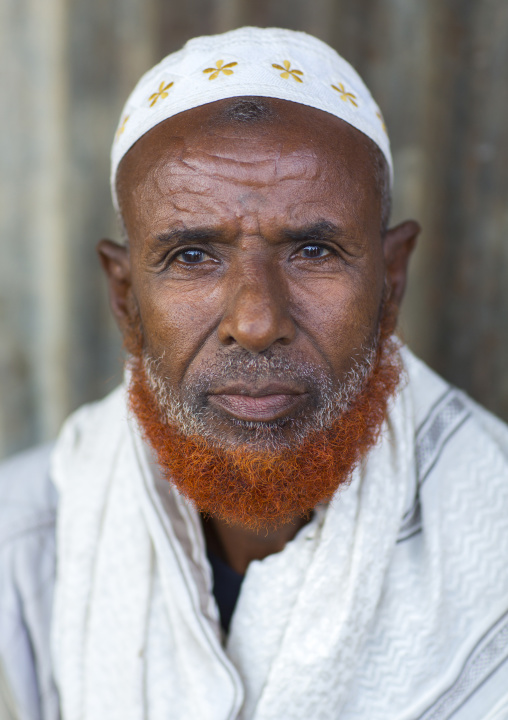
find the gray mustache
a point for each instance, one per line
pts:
(243, 366)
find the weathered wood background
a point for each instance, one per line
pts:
(439, 70)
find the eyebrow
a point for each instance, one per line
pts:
(176, 237)
(316, 232)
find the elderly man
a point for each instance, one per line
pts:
(282, 513)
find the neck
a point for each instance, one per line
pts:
(238, 546)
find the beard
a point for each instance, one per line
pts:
(261, 475)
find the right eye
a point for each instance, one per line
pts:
(192, 256)
(314, 252)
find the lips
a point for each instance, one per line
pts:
(262, 404)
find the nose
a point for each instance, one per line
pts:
(257, 310)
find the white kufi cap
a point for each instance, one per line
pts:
(263, 62)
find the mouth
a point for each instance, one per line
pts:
(262, 404)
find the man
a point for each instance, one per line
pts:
(283, 513)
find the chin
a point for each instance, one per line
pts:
(267, 437)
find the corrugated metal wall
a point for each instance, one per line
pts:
(439, 71)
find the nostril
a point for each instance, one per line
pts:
(228, 340)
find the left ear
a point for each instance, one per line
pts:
(398, 244)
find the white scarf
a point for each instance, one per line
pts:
(345, 622)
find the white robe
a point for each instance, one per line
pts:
(391, 604)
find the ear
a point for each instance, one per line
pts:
(115, 261)
(398, 244)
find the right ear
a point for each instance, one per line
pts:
(115, 261)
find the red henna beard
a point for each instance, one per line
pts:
(266, 489)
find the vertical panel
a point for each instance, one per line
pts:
(319, 19)
(179, 21)
(34, 282)
(48, 231)
(228, 14)
(469, 147)
(15, 360)
(111, 45)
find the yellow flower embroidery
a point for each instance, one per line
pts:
(344, 95)
(287, 72)
(122, 127)
(161, 93)
(382, 121)
(220, 68)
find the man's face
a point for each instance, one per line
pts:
(257, 264)
(251, 299)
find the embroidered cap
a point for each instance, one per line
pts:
(249, 61)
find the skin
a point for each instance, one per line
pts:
(253, 235)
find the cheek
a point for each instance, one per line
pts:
(340, 317)
(177, 324)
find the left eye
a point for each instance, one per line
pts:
(311, 252)
(191, 257)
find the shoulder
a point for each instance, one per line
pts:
(31, 497)
(450, 426)
(28, 503)
(28, 498)
(460, 457)
(452, 547)
(86, 438)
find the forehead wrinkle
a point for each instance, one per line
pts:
(236, 172)
(249, 211)
(238, 168)
(211, 212)
(308, 166)
(302, 212)
(178, 203)
(169, 206)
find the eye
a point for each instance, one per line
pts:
(191, 257)
(314, 252)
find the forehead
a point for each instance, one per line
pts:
(289, 151)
